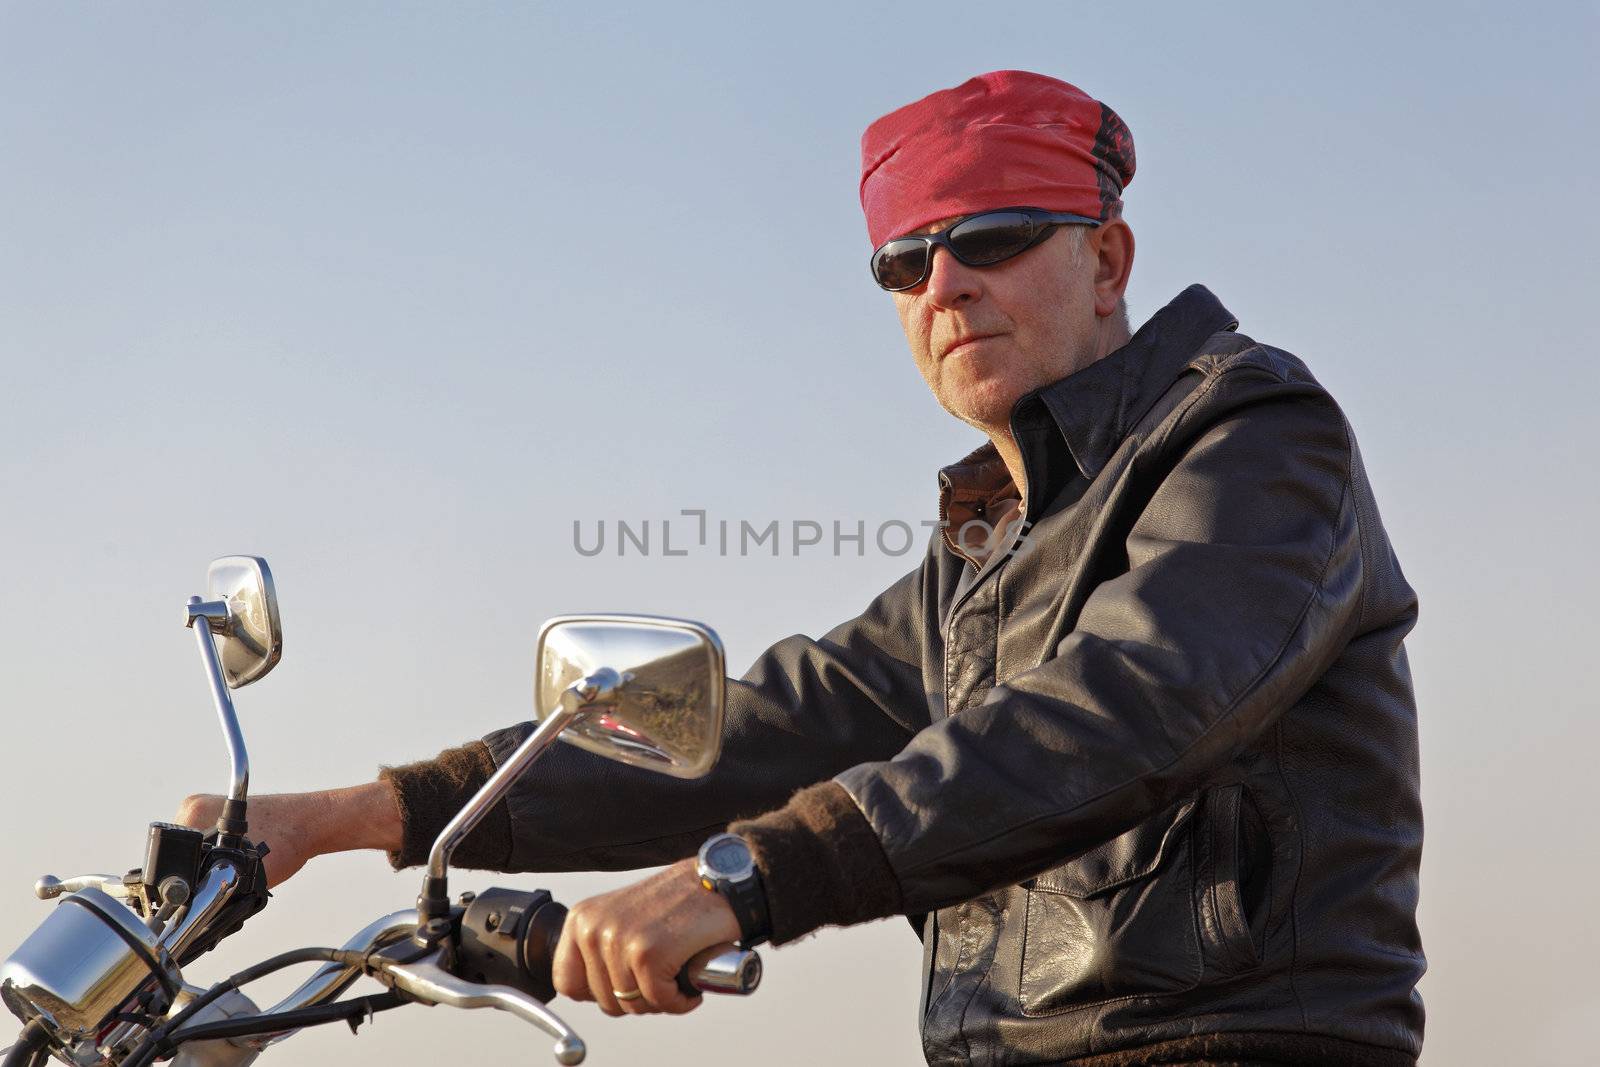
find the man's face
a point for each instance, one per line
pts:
(985, 336)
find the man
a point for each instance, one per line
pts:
(1135, 746)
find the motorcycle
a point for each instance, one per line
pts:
(100, 982)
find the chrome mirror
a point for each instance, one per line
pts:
(241, 638)
(251, 642)
(640, 689)
(666, 713)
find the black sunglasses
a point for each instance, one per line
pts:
(980, 240)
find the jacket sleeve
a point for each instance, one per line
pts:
(1242, 585)
(805, 710)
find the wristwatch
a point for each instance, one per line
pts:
(727, 867)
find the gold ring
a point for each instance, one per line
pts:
(631, 995)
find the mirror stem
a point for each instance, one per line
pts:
(597, 688)
(231, 824)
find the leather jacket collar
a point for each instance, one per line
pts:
(1090, 411)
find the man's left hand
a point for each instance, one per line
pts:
(638, 938)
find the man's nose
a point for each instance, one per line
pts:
(950, 281)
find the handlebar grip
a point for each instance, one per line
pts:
(721, 970)
(510, 937)
(736, 972)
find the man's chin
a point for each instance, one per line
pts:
(986, 406)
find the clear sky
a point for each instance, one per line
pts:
(392, 294)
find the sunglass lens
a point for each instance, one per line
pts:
(993, 237)
(900, 264)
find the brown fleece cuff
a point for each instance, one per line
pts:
(430, 792)
(821, 863)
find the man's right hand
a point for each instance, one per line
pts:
(301, 826)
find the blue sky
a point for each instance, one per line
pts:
(392, 294)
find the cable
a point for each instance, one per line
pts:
(147, 1051)
(345, 1010)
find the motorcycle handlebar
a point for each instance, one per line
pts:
(505, 937)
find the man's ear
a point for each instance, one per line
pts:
(1112, 245)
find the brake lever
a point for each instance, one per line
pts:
(429, 983)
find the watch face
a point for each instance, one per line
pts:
(729, 857)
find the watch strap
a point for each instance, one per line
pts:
(748, 899)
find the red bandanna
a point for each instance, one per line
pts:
(1004, 139)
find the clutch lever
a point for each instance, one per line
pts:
(49, 887)
(429, 983)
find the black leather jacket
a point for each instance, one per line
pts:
(1151, 775)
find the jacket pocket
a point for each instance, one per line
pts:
(1117, 921)
(1235, 867)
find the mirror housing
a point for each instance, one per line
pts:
(666, 713)
(250, 643)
